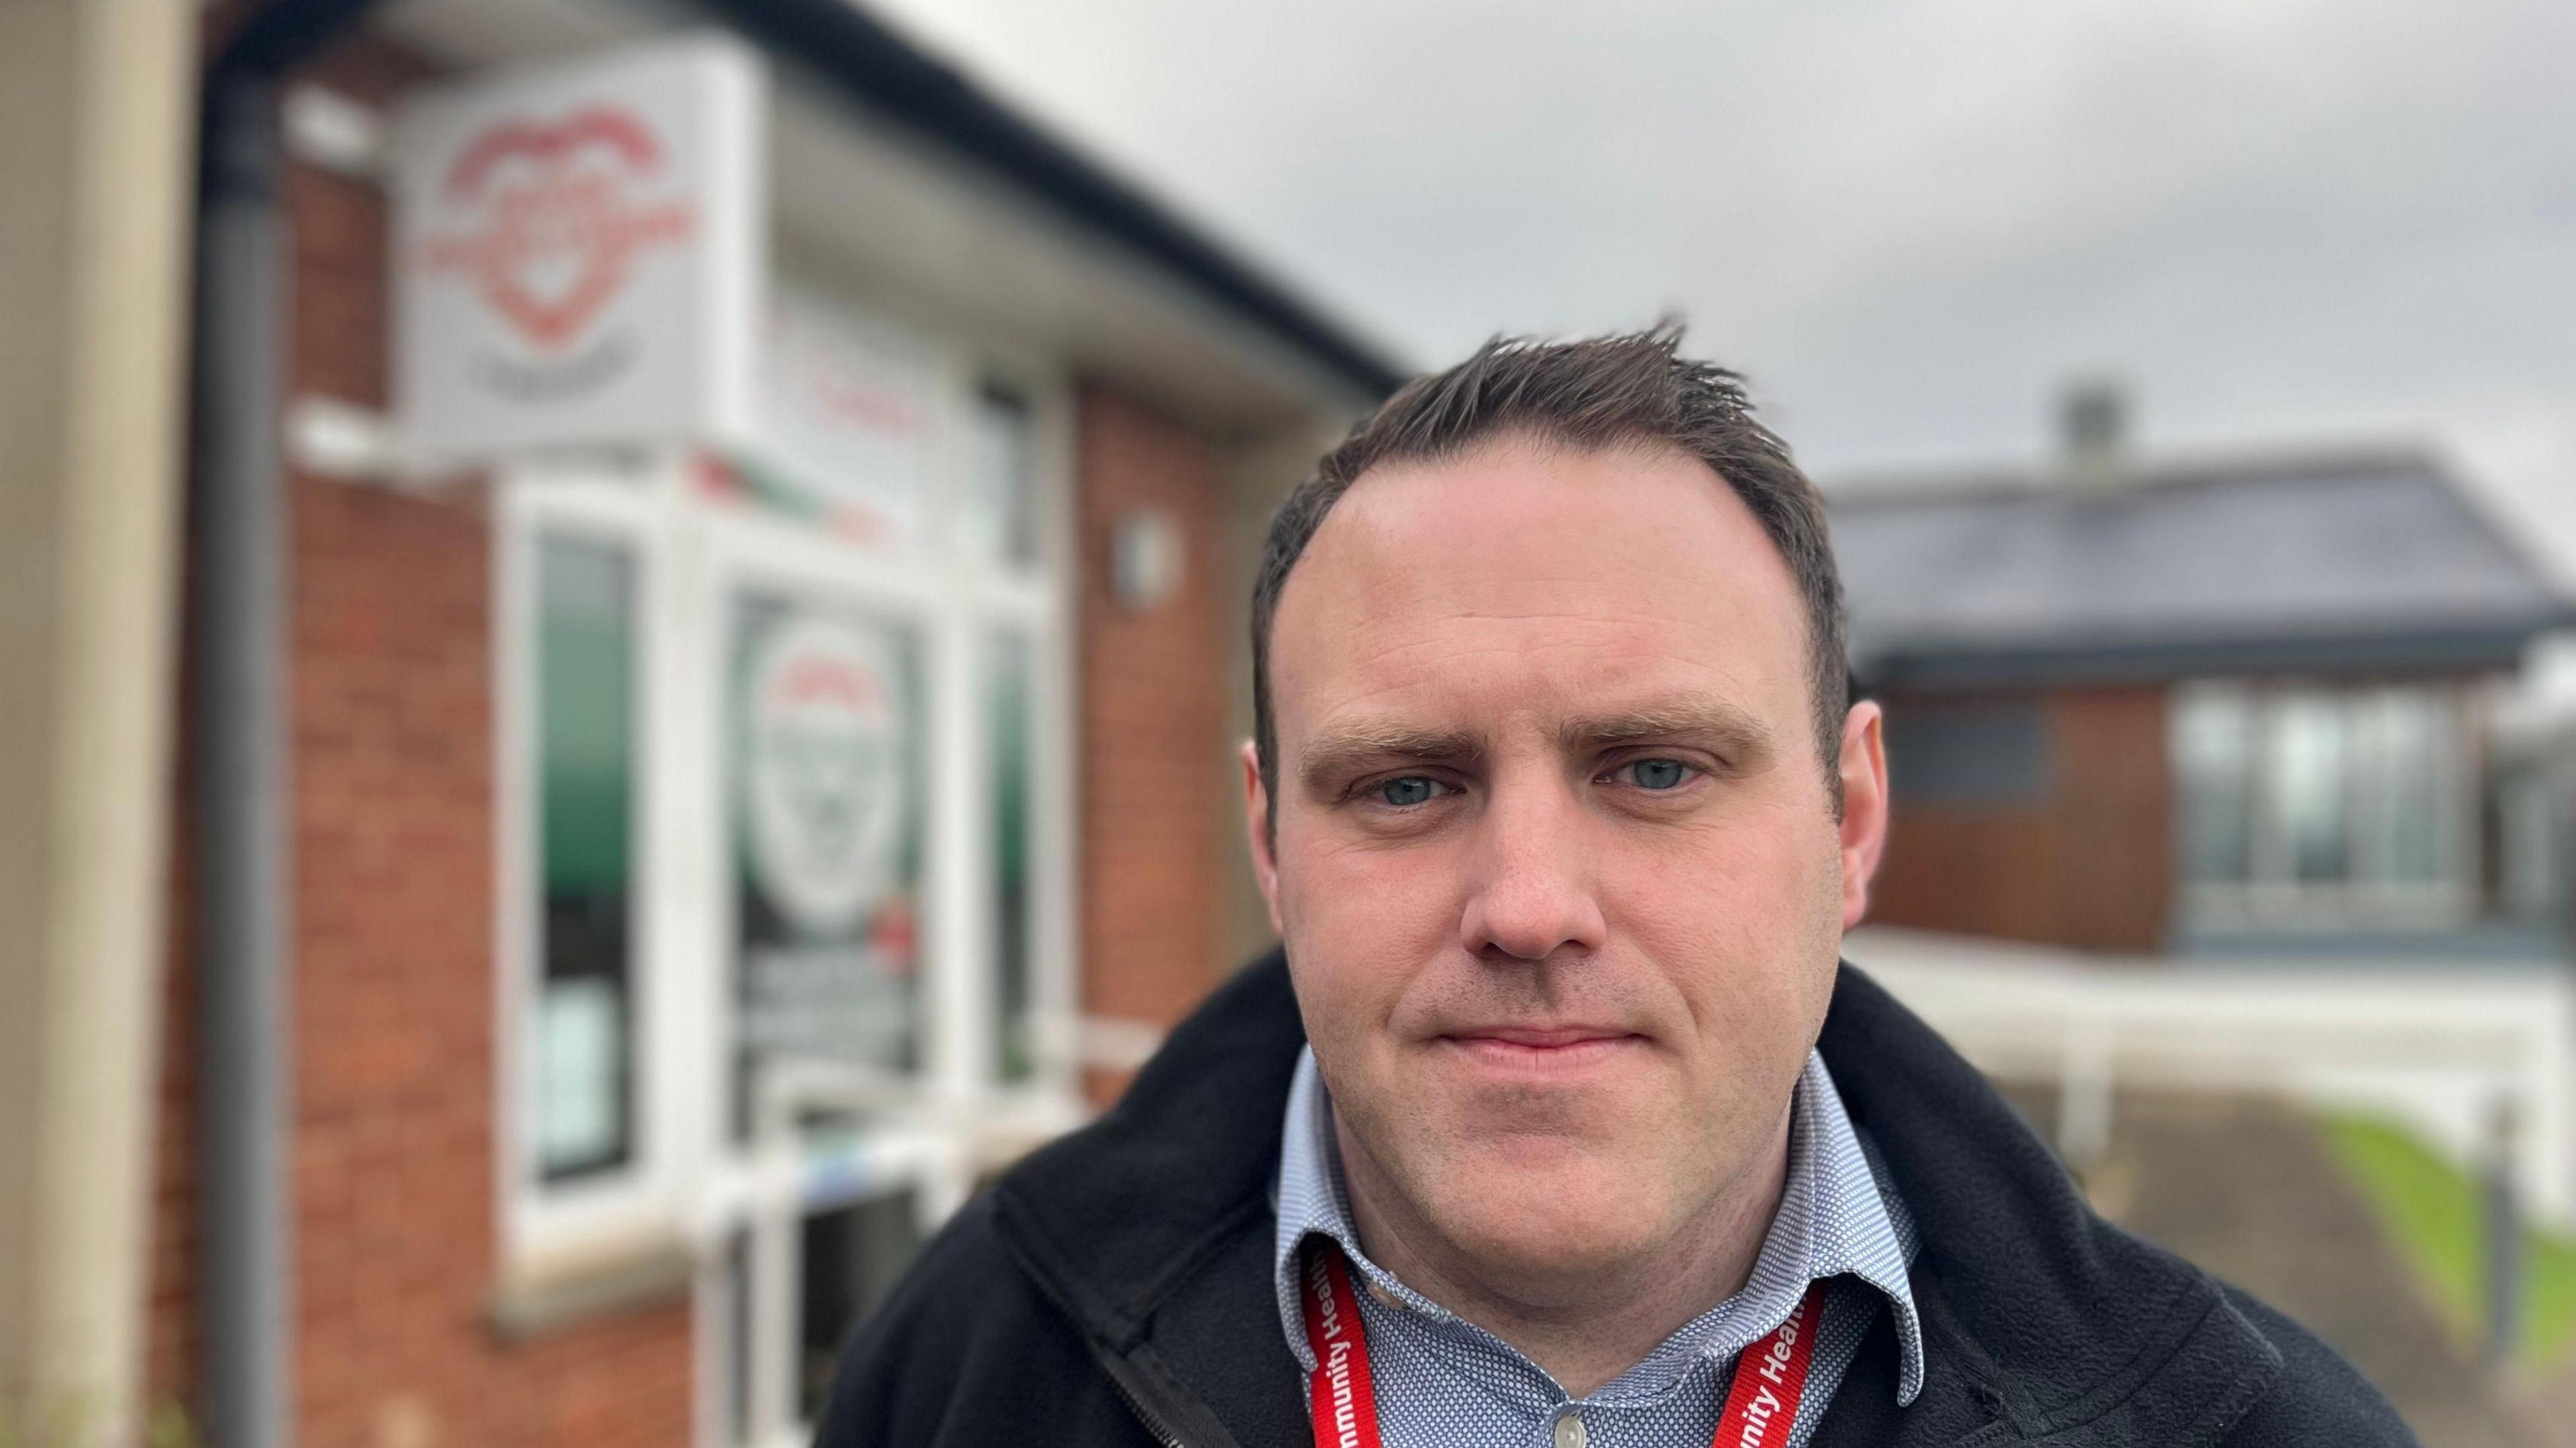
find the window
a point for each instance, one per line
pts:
(1967, 754)
(2531, 840)
(1012, 763)
(584, 1078)
(2322, 806)
(592, 1032)
(998, 522)
(2404, 749)
(2213, 745)
(2304, 778)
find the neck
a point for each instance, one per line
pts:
(1583, 1329)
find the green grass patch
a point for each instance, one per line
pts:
(2436, 1214)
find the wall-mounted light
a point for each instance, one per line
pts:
(1145, 558)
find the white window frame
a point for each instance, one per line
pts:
(2272, 898)
(687, 1183)
(623, 502)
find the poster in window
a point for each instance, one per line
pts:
(828, 823)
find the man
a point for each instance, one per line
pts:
(1560, 1122)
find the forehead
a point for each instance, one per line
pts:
(1530, 578)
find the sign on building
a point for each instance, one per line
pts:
(848, 420)
(580, 253)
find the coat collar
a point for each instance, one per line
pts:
(2056, 1321)
(2035, 1311)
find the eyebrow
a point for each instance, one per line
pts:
(1356, 746)
(1696, 719)
(1693, 719)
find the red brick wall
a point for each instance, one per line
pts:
(170, 1317)
(1152, 724)
(393, 1098)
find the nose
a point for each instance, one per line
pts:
(1531, 896)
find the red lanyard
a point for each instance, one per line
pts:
(1770, 1378)
(1770, 1375)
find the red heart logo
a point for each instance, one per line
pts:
(559, 226)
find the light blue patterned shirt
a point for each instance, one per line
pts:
(1443, 1382)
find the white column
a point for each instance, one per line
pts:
(97, 123)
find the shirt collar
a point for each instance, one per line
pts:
(1839, 1214)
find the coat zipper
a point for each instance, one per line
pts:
(1112, 1362)
(1153, 1422)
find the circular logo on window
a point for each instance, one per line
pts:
(824, 772)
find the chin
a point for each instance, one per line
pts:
(1542, 1219)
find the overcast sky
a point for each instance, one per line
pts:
(1909, 221)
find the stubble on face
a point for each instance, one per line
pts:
(1503, 659)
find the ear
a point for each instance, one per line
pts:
(1256, 828)
(1864, 827)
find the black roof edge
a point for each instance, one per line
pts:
(2327, 461)
(2457, 648)
(235, 157)
(889, 74)
(274, 37)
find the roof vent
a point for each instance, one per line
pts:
(2093, 426)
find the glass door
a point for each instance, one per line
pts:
(874, 634)
(785, 868)
(834, 999)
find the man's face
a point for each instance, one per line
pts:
(1556, 863)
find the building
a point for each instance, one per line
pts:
(717, 569)
(2227, 823)
(2230, 707)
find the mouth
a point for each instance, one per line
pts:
(1540, 1049)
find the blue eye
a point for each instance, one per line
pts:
(1411, 790)
(1658, 773)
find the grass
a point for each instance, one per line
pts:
(2436, 1214)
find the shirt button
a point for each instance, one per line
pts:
(1569, 1430)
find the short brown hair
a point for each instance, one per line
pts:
(1598, 393)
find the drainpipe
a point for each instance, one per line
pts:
(244, 1254)
(244, 866)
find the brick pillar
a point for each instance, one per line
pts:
(1152, 722)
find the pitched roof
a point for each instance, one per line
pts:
(885, 71)
(2355, 562)
(882, 70)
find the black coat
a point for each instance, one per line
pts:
(1116, 1287)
